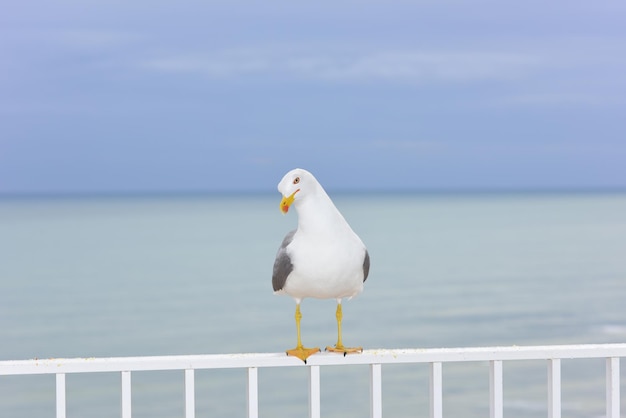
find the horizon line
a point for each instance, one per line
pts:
(336, 191)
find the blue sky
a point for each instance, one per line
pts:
(152, 96)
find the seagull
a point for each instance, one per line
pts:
(323, 258)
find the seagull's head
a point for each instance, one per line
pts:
(295, 186)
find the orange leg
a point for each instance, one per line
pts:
(300, 351)
(339, 347)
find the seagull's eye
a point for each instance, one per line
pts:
(296, 180)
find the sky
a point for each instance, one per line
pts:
(201, 96)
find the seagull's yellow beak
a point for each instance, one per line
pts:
(287, 201)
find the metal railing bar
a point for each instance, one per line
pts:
(382, 356)
(374, 358)
(126, 395)
(554, 388)
(253, 392)
(376, 391)
(436, 390)
(60, 395)
(190, 394)
(496, 406)
(612, 388)
(315, 410)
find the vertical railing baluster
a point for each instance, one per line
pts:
(190, 394)
(376, 391)
(496, 407)
(554, 388)
(253, 392)
(126, 396)
(60, 395)
(612, 388)
(436, 390)
(314, 392)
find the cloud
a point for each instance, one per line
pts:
(230, 64)
(405, 66)
(564, 98)
(420, 147)
(71, 39)
(411, 66)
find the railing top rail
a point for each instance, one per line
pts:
(374, 356)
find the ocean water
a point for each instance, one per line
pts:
(132, 276)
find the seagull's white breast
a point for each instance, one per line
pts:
(325, 266)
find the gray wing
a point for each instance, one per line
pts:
(366, 266)
(282, 264)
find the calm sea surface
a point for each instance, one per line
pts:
(100, 277)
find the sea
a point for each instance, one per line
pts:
(109, 276)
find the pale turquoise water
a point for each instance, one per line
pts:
(93, 277)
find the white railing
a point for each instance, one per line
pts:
(374, 359)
